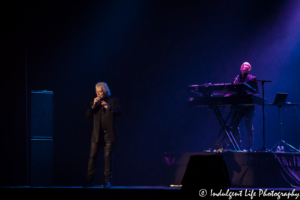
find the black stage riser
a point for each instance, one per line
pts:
(246, 170)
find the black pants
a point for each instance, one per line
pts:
(108, 158)
(247, 113)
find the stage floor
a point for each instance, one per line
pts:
(252, 175)
(142, 192)
(132, 188)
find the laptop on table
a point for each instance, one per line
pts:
(280, 98)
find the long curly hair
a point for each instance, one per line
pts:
(104, 87)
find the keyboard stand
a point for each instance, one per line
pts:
(226, 129)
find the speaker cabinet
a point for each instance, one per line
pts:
(41, 141)
(206, 172)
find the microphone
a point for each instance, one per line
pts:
(262, 81)
(236, 78)
(98, 103)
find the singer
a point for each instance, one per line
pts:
(246, 112)
(103, 109)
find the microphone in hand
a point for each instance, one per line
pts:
(97, 102)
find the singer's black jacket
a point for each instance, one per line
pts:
(111, 127)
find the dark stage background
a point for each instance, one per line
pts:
(148, 52)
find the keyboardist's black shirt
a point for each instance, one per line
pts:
(249, 79)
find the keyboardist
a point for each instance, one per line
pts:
(246, 112)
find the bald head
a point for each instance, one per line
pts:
(246, 67)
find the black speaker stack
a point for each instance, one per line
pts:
(41, 138)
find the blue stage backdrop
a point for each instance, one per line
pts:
(148, 52)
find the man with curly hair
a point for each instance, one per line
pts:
(104, 110)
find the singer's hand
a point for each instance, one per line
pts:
(96, 100)
(105, 104)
